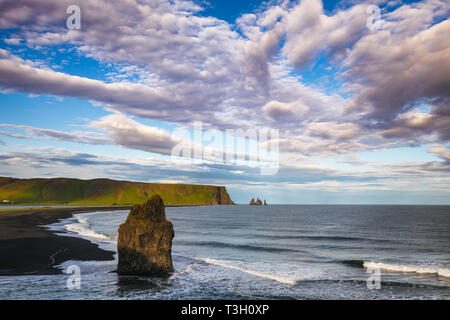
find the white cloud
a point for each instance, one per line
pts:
(172, 64)
(277, 110)
(128, 133)
(441, 151)
(310, 31)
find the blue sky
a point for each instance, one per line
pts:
(358, 114)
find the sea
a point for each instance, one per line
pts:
(266, 252)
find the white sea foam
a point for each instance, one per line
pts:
(82, 220)
(443, 272)
(83, 229)
(226, 264)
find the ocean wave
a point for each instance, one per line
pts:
(354, 263)
(443, 272)
(313, 237)
(83, 228)
(383, 283)
(217, 244)
(275, 277)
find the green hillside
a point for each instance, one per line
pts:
(105, 192)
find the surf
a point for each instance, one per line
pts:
(83, 228)
(226, 264)
(400, 268)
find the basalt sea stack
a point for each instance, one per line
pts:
(145, 241)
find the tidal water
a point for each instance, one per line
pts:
(268, 252)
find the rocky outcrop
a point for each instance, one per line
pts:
(145, 241)
(258, 202)
(265, 203)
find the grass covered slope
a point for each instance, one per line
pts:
(106, 192)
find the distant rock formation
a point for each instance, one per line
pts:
(265, 203)
(145, 241)
(258, 202)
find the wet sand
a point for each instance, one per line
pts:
(27, 247)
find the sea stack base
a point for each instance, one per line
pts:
(145, 241)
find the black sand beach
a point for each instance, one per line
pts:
(27, 247)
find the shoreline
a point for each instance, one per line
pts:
(29, 207)
(28, 248)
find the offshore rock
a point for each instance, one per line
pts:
(258, 202)
(145, 241)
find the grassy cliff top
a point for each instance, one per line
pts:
(70, 191)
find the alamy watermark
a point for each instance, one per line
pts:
(374, 21)
(74, 280)
(73, 21)
(374, 280)
(256, 148)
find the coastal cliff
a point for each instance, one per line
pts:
(69, 191)
(145, 241)
(223, 198)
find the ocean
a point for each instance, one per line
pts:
(267, 252)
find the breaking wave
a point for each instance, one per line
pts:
(443, 272)
(226, 264)
(83, 228)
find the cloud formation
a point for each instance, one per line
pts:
(310, 31)
(402, 66)
(389, 87)
(84, 137)
(131, 134)
(201, 69)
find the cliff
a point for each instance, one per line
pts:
(223, 198)
(106, 192)
(145, 241)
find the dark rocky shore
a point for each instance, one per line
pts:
(27, 247)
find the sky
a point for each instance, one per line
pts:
(296, 102)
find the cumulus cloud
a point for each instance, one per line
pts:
(333, 130)
(310, 31)
(388, 71)
(19, 76)
(415, 124)
(261, 45)
(277, 110)
(191, 67)
(401, 66)
(191, 57)
(199, 66)
(117, 129)
(128, 133)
